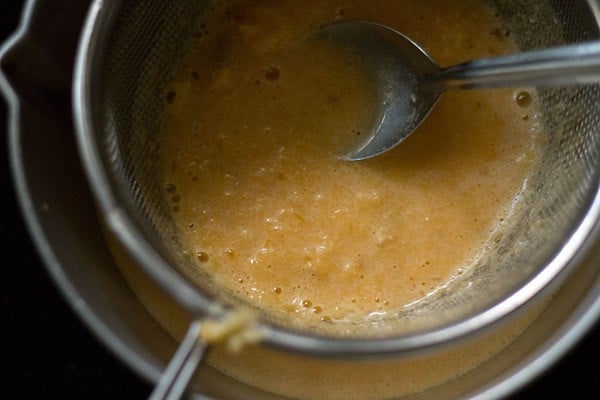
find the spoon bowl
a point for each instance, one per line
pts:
(409, 83)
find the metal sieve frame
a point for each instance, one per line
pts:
(131, 234)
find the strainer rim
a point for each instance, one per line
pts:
(129, 234)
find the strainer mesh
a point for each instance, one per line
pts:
(146, 37)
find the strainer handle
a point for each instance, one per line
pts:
(572, 64)
(182, 366)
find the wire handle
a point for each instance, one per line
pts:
(182, 366)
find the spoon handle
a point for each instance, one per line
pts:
(573, 64)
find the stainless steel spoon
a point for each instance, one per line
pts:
(409, 83)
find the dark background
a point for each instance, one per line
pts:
(48, 353)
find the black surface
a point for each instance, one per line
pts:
(48, 353)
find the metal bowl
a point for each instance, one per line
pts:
(61, 212)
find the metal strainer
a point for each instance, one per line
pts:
(127, 56)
